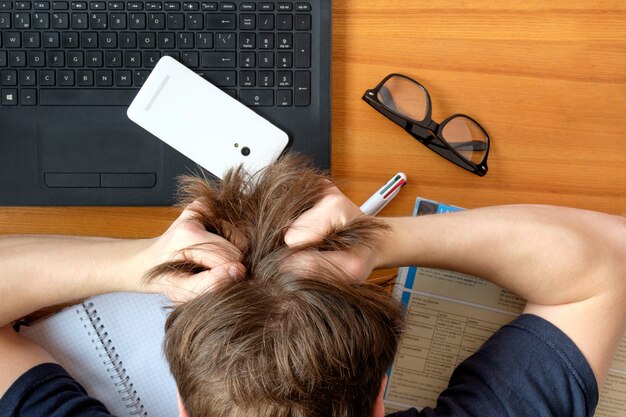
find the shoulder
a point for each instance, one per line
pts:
(48, 390)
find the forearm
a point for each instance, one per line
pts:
(38, 271)
(548, 255)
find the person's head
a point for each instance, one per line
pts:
(291, 338)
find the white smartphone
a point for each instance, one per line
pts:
(204, 123)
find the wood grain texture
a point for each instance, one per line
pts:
(547, 79)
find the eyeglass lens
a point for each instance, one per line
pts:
(405, 97)
(466, 137)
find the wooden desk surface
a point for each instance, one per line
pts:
(547, 79)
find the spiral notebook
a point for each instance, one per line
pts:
(112, 344)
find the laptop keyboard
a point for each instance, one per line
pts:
(101, 52)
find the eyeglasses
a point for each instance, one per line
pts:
(459, 138)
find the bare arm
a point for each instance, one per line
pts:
(39, 271)
(569, 264)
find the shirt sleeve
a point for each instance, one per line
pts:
(48, 390)
(527, 368)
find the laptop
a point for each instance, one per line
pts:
(69, 70)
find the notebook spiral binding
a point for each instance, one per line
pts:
(112, 361)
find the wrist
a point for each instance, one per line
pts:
(134, 257)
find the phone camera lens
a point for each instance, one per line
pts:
(245, 151)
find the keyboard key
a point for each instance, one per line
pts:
(302, 47)
(284, 22)
(284, 41)
(266, 22)
(116, 5)
(221, 78)
(3, 59)
(303, 22)
(190, 59)
(228, 6)
(283, 98)
(28, 97)
(46, 78)
(5, 20)
(191, 6)
(50, 40)
(60, 5)
(9, 97)
(80, 21)
(175, 21)
(285, 7)
(284, 78)
(78, 5)
(166, 40)
(247, 60)
(60, 21)
(218, 60)
(12, 40)
(94, 59)
(66, 78)
(97, 5)
(195, 21)
(154, 6)
(75, 58)
(147, 40)
(150, 58)
(84, 78)
(247, 40)
(257, 97)
(247, 22)
(22, 5)
(21, 20)
(128, 40)
(226, 41)
(9, 77)
(132, 59)
(108, 40)
(86, 97)
(266, 78)
(17, 58)
(89, 40)
(220, 21)
(184, 40)
(41, 5)
(98, 20)
(140, 77)
(113, 58)
(249, 7)
(204, 40)
(135, 5)
(284, 59)
(268, 7)
(6, 5)
(247, 79)
(123, 78)
(266, 40)
(156, 21)
(28, 78)
(56, 58)
(302, 86)
(32, 40)
(117, 21)
(36, 59)
(208, 6)
(104, 78)
(303, 7)
(172, 6)
(137, 21)
(69, 40)
(266, 60)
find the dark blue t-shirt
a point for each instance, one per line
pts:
(528, 368)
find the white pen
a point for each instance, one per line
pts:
(382, 197)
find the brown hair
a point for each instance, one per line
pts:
(286, 340)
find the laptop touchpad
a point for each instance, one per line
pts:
(96, 152)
